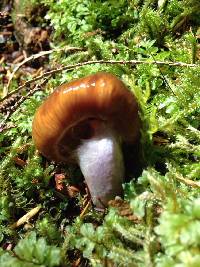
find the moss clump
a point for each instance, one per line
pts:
(158, 223)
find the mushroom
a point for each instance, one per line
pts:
(86, 121)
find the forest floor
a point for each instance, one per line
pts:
(46, 215)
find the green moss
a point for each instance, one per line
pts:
(164, 229)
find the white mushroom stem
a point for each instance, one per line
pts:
(101, 162)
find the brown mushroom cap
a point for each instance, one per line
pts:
(63, 119)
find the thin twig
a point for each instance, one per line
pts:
(163, 76)
(131, 62)
(188, 181)
(35, 56)
(122, 62)
(85, 209)
(23, 98)
(26, 217)
(18, 103)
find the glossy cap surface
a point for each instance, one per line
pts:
(63, 119)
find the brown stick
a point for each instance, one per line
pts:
(18, 103)
(26, 217)
(85, 209)
(35, 56)
(122, 62)
(188, 181)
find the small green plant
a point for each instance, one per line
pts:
(31, 252)
(183, 225)
(157, 224)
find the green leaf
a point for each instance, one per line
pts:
(32, 252)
